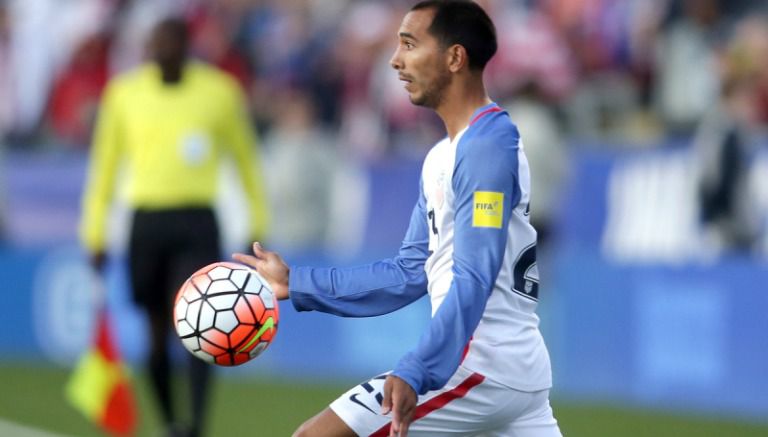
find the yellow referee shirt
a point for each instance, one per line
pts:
(171, 138)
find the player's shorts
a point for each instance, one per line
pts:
(468, 405)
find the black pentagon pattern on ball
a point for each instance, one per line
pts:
(214, 307)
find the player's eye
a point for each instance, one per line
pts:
(407, 44)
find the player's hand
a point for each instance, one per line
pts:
(269, 265)
(400, 399)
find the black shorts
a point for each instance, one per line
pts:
(166, 246)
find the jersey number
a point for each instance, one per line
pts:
(431, 217)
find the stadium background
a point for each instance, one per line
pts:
(644, 122)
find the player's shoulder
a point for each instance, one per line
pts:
(491, 132)
(493, 124)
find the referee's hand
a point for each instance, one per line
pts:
(400, 399)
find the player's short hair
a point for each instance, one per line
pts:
(465, 23)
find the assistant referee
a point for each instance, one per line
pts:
(167, 125)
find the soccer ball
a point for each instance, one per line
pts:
(225, 314)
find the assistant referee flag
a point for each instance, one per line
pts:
(100, 387)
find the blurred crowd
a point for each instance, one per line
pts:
(619, 72)
(628, 69)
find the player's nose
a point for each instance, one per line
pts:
(395, 61)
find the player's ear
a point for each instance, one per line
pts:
(457, 58)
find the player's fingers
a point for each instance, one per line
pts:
(248, 260)
(404, 424)
(404, 409)
(403, 430)
(386, 403)
(396, 428)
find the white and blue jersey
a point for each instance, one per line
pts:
(471, 247)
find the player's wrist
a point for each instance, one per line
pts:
(412, 373)
(281, 290)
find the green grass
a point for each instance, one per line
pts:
(601, 420)
(245, 407)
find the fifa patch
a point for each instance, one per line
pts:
(487, 209)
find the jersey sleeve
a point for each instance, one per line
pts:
(368, 290)
(486, 188)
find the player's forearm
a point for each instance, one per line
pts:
(363, 291)
(441, 347)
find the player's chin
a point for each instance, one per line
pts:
(417, 99)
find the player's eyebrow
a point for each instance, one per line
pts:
(407, 35)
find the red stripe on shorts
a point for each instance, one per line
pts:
(438, 401)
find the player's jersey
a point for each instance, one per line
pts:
(471, 247)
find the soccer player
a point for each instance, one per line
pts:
(169, 122)
(481, 367)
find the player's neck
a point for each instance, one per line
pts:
(462, 100)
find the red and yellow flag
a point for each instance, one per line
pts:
(99, 386)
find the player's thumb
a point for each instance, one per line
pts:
(258, 250)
